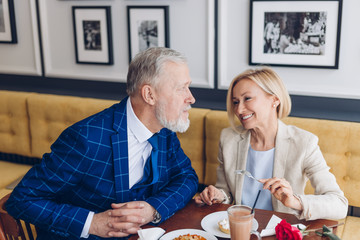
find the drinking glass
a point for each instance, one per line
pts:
(240, 220)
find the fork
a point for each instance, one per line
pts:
(246, 173)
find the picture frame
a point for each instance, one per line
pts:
(93, 35)
(148, 26)
(7, 22)
(295, 33)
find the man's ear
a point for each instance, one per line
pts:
(148, 94)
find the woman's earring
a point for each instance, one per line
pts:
(274, 105)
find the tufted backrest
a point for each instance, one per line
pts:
(31, 122)
(193, 141)
(51, 114)
(14, 123)
(215, 121)
(339, 142)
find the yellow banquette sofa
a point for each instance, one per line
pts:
(31, 122)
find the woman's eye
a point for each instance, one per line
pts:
(235, 102)
(247, 98)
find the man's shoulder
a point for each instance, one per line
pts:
(104, 118)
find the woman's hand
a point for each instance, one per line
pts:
(282, 191)
(210, 195)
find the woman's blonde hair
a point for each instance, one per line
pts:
(268, 80)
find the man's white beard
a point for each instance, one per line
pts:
(177, 125)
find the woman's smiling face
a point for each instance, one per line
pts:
(252, 105)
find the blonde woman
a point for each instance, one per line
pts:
(283, 157)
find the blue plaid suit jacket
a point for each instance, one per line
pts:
(87, 170)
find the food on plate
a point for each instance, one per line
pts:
(190, 237)
(224, 226)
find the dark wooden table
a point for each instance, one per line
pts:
(192, 214)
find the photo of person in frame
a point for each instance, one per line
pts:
(295, 33)
(148, 34)
(92, 35)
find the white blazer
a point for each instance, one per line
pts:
(297, 159)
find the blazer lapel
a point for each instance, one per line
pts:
(281, 150)
(120, 153)
(243, 144)
(282, 144)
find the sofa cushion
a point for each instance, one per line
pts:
(215, 121)
(14, 123)
(340, 229)
(51, 114)
(193, 141)
(4, 192)
(351, 229)
(10, 172)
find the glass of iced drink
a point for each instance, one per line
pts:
(240, 219)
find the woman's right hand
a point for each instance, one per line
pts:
(210, 195)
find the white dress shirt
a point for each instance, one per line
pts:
(138, 146)
(139, 150)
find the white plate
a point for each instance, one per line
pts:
(177, 233)
(210, 224)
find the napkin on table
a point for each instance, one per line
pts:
(270, 227)
(150, 233)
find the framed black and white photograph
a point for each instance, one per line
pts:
(295, 33)
(92, 34)
(148, 26)
(7, 22)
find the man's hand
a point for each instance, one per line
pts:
(124, 219)
(128, 217)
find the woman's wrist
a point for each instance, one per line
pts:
(225, 198)
(297, 205)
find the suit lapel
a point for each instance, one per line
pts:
(161, 160)
(120, 153)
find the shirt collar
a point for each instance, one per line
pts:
(141, 133)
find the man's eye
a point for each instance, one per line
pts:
(247, 98)
(235, 102)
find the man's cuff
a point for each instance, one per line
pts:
(85, 231)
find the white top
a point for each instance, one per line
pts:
(260, 164)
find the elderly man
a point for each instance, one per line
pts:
(121, 168)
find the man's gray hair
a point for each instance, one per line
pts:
(147, 66)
